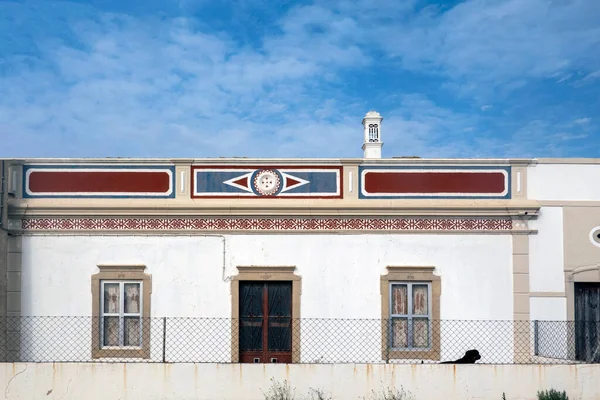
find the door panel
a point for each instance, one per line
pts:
(251, 299)
(265, 336)
(280, 317)
(251, 316)
(587, 322)
(280, 299)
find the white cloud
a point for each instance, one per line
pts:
(563, 136)
(133, 84)
(536, 138)
(592, 75)
(583, 121)
(143, 86)
(500, 41)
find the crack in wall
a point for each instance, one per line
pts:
(6, 390)
(66, 391)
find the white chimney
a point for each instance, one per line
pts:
(372, 131)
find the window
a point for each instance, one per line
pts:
(121, 312)
(410, 315)
(121, 321)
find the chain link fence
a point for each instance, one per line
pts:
(306, 340)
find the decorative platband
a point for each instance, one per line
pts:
(430, 182)
(266, 224)
(98, 181)
(300, 182)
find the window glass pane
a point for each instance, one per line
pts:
(111, 331)
(420, 301)
(399, 333)
(132, 298)
(420, 332)
(131, 334)
(399, 300)
(112, 298)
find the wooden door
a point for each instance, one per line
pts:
(587, 322)
(265, 322)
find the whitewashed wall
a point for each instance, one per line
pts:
(563, 182)
(546, 254)
(546, 275)
(340, 279)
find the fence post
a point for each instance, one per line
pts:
(164, 356)
(386, 327)
(536, 328)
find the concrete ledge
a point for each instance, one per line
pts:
(249, 381)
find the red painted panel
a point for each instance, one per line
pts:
(434, 182)
(99, 182)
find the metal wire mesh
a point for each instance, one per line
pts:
(307, 340)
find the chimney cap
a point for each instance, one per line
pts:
(372, 114)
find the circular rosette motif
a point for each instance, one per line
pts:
(266, 182)
(595, 236)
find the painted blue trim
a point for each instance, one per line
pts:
(318, 182)
(214, 182)
(95, 196)
(507, 196)
(211, 183)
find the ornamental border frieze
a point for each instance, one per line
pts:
(295, 224)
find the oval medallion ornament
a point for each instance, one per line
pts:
(595, 236)
(267, 182)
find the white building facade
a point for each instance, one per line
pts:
(302, 260)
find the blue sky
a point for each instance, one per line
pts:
(264, 78)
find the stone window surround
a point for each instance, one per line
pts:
(265, 273)
(121, 272)
(408, 274)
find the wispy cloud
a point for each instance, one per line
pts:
(591, 76)
(564, 136)
(132, 85)
(504, 40)
(147, 79)
(583, 121)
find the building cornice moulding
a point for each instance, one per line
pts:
(282, 161)
(568, 161)
(276, 208)
(176, 161)
(447, 161)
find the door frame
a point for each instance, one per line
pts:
(265, 274)
(583, 274)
